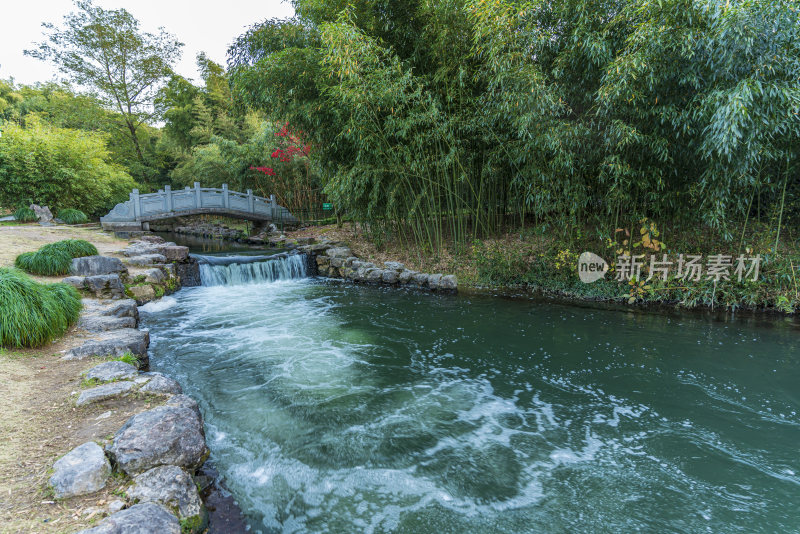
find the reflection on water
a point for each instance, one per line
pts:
(333, 408)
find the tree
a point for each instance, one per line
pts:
(106, 51)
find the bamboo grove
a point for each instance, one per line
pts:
(447, 119)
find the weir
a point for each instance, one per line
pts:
(240, 270)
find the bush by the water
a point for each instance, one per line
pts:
(72, 216)
(32, 314)
(54, 259)
(24, 214)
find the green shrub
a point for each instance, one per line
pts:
(55, 258)
(25, 215)
(33, 313)
(72, 216)
(77, 248)
(52, 262)
(60, 167)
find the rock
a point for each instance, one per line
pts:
(305, 240)
(146, 259)
(94, 265)
(394, 265)
(448, 282)
(390, 276)
(115, 506)
(433, 281)
(160, 385)
(175, 252)
(374, 275)
(146, 518)
(143, 294)
(102, 285)
(106, 391)
(82, 470)
(154, 239)
(100, 323)
(155, 276)
(108, 371)
(105, 286)
(114, 343)
(171, 434)
(43, 213)
(189, 273)
(406, 277)
(171, 487)
(339, 252)
(117, 308)
(421, 279)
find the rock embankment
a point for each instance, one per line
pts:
(161, 449)
(334, 260)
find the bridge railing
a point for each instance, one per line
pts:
(200, 198)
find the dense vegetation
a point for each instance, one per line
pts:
(32, 313)
(447, 117)
(55, 258)
(445, 127)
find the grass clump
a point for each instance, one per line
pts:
(128, 358)
(72, 216)
(24, 214)
(54, 259)
(32, 314)
(77, 248)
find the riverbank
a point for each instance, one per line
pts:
(539, 261)
(49, 408)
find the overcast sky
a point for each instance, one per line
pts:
(202, 26)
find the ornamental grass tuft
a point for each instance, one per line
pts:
(72, 216)
(24, 214)
(54, 259)
(32, 314)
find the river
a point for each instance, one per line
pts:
(331, 407)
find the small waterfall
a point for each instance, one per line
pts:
(238, 270)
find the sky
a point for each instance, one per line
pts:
(201, 25)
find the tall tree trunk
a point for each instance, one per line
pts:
(135, 140)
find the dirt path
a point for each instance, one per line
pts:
(38, 419)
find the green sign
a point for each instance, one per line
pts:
(327, 206)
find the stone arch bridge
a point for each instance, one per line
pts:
(140, 210)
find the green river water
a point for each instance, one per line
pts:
(331, 407)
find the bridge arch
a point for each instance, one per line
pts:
(167, 204)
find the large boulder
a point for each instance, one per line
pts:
(114, 344)
(433, 281)
(175, 252)
(407, 276)
(339, 252)
(104, 315)
(154, 239)
(117, 308)
(390, 276)
(155, 276)
(171, 434)
(142, 294)
(146, 259)
(173, 488)
(82, 470)
(108, 371)
(448, 282)
(146, 518)
(394, 265)
(94, 265)
(101, 323)
(43, 213)
(107, 286)
(158, 384)
(106, 391)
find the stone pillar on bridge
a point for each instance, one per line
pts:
(226, 198)
(251, 201)
(198, 202)
(168, 195)
(137, 208)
